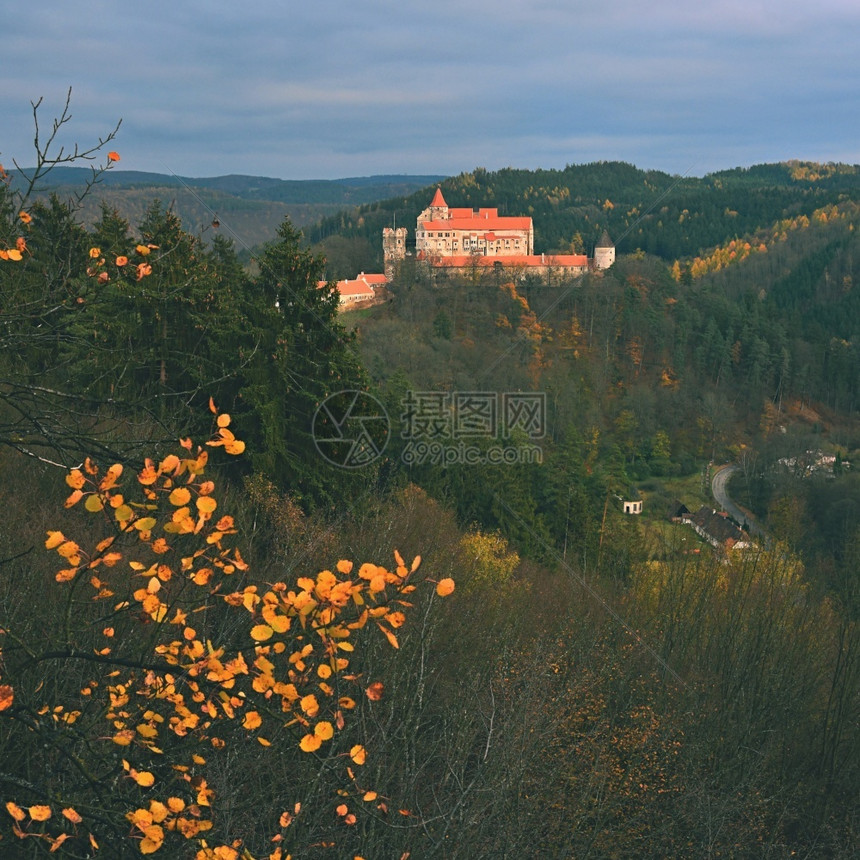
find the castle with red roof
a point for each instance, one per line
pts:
(455, 239)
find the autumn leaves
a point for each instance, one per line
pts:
(225, 658)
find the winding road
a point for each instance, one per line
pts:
(719, 487)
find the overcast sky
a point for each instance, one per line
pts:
(335, 88)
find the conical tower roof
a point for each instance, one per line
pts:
(605, 241)
(438, 199)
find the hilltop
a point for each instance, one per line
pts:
(671, 217)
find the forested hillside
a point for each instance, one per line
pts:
(673, 217)
(222, 639)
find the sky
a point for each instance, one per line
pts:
(326, 89)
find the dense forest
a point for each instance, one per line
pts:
(216, 643)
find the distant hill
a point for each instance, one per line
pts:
(672, 217)
(248, 208)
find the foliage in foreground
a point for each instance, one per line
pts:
(163, 660)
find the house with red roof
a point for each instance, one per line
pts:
(361, 291)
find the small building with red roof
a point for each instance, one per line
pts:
(361, 291)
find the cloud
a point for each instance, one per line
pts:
(327, 89)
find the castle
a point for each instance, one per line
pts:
(460, 240)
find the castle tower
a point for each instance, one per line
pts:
(604, 252)
(393, 249)
(438, 210)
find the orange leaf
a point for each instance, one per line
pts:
(113, 156)
(310, 705)
(75, 479)
(389, 636)
(374, 691)
(40, 813)
(358, 754)
(72, 815)
(7, 695)
(445, 587)
(15, 811)
(310, 743)
(252, 720)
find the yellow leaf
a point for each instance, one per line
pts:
(144, 778)
(123, 513)
(93, 503)
(153, 838)
(206, 504)
(261, 632)
(54, 540)
(223, 420)
(324, 731)
(234, 447)
(180, 496)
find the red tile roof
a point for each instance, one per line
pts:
(514, 261)
(360, 287)
(438, 199)
(479, 223)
